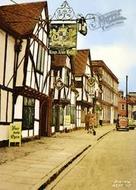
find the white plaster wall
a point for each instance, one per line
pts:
(4, 132)
(36, 128)
(35, 51)
(24, 133)
(10, 62)
(10, 107)
(68, 64)
(18, 108)
(37, 105)
(20, 70)
(3, 105)
(53, 129)
(35, 29)
(2, 50)
(31, 133)
(28, 75)
(80, 94)
(73, 100)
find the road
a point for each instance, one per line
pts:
(110, 164)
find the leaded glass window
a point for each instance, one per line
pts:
(28, 113)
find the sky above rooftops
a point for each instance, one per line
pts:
(116, 46)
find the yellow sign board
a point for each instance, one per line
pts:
(15, 133)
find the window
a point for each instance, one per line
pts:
(40, 59)
(82, 116)
(73, 114)
(54, 115)
(61, 115)
(68, 110)
(28, 113)
(122, 106)
(66, 79)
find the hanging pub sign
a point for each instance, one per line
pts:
(63, 38)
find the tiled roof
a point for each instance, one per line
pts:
(100, 63)
(80, 61)
(20, 19)
(58, 60)
(132, 100)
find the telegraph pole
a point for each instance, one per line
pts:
(126, 96)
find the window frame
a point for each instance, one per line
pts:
(28, 108)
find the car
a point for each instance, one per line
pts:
(132, 123)
(122, 123)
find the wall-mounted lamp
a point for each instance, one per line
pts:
(82, 26)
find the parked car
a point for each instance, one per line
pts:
(122, 123)
(132, 123)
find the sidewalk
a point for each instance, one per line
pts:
(37, 162)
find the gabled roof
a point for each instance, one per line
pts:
(132, 100)
(58, 60)
(80, 61)
(20, 19)
(101, 64)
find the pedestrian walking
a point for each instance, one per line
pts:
(90, 123)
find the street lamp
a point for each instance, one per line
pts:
(126, 96)
(82, 25)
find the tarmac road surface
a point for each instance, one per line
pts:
(109, 165)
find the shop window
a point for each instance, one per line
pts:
(28, 113)
(61, 115)
(82, 116)
(73, 114)
(68, 110)
(54, 116)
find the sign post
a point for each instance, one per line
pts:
(15, 133)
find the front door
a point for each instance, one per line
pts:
(45, 114)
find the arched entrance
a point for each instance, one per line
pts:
(45, 117)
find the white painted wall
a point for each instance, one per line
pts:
(18, 108)
(20, 70)
(3, 105)
(2, 50)
(4, 132)
(10, 108)
(10, 62)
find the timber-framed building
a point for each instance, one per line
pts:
(25, 67)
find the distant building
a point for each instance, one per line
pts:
(121, 104)
(82, 71)
(63, 94)
(131, 101)
(109, 85)
(132, 104)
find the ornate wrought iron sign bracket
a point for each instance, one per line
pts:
(65, 24)
(94, 21)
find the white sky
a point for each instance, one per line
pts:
(117, 46)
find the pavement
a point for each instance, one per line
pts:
(37, 163)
